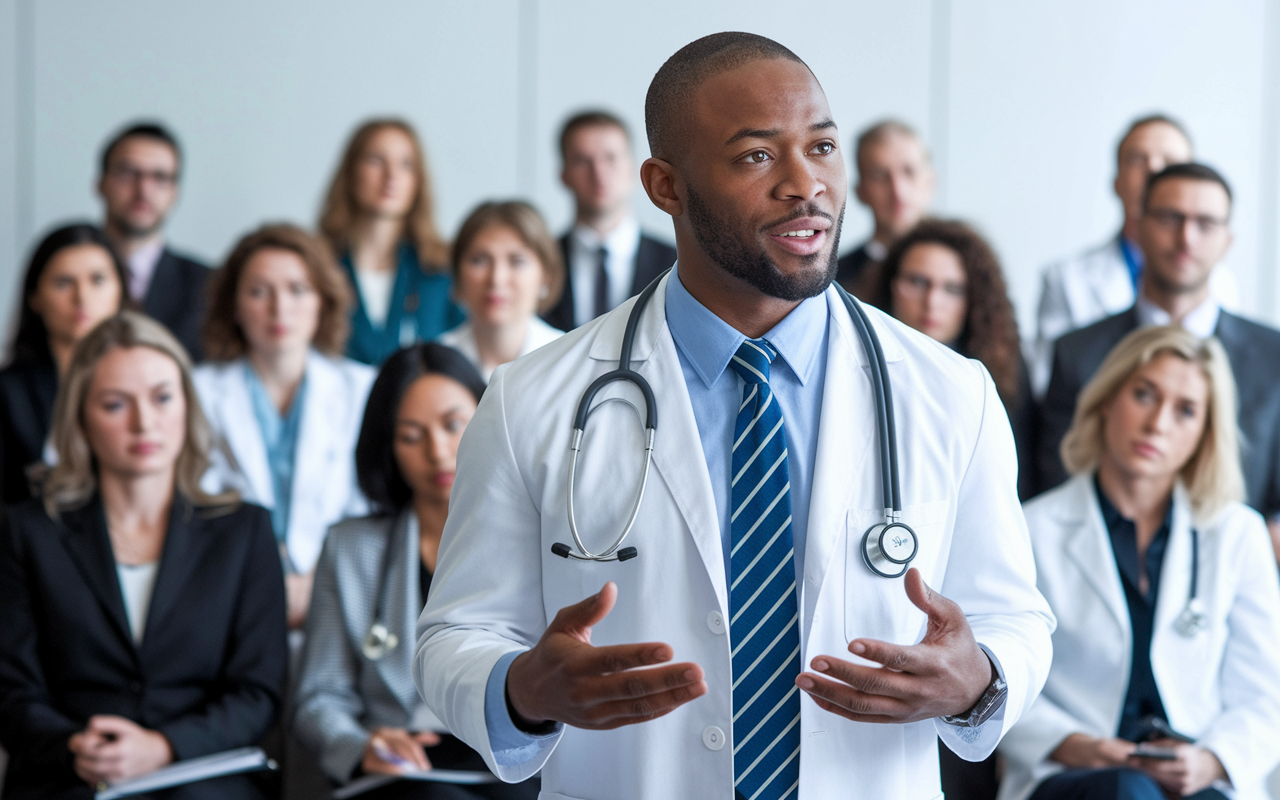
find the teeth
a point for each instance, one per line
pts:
(799, 234)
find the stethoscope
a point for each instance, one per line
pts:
(887, 547)
(380, 640)
(1193, 619)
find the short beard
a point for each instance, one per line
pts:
(751, 264)
(131, 231)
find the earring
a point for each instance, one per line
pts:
(544, 293)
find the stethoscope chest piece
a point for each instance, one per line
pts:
(378, 642)
(889, 548)
(1192, 620)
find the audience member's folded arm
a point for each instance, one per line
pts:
(31, 729)
(257, 662)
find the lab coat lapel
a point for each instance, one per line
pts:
(844, 467)
(244, 437)
(1109, 279)
(677, 451)
(1089, 546)
(313, 455)
(1175, 582)
(85, 538)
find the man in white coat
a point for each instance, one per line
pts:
(1103, 280)
(657, 685)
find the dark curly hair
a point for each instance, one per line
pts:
(990, 332)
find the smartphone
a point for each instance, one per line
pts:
(1156, 752)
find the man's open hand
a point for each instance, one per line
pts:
(946, 673)
(564, 678)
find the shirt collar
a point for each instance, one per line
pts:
(625, 237)
(142, 265)
(708, 342)
(1201, 320)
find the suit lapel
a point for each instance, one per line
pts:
(402, 607)
(86, 539)
(647, 264)
(162, 291)
(183, 548)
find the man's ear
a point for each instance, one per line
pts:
(659, 179)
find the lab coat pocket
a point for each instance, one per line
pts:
(876, 607)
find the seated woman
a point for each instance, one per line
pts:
(284, 404)
(144, 620)
(944, 280)
(1166, 664)
(356, 705)
(73, 282)
(506, 271)
(378, 218)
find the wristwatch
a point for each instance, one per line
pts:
(992, 700)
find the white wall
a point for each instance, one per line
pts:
(1021, 103)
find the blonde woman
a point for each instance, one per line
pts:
(378, 218)
(144, 620)
(507, 270)
(1166, 664)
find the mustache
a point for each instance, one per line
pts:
(807, 210)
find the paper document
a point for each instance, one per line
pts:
(245, 759)
(370, 782)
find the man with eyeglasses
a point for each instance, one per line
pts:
(139, 186)
(1184, 231)
(1102, 281)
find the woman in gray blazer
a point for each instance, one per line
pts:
(356, 705)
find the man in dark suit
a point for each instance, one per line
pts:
(896, 183)
(1184, 232)
(606, 255)
(141, 167)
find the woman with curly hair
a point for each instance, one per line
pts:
(944, 280)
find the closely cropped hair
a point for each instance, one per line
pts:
(1191, 170)
(224, 340)
(1152, 119)
(528, 224)
(589, 119)
(338, 217)
(73, 480)
(379, 475)
(990, 332)
(1212, 475)
(144, 130)
(879, 132)
(31, 342)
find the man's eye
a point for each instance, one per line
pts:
(825, 148)
(758, 157)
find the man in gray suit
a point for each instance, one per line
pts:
(1184, 233)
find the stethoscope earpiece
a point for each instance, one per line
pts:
(888, 548)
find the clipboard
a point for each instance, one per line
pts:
(230, 762)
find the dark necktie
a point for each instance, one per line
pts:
(602, 282)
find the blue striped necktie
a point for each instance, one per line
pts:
(764, 626)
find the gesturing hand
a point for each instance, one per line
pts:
(114, 749)
(944, 674)
(564, 678)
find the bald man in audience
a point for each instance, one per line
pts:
(896, 182)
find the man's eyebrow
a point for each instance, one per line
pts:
(769, 133)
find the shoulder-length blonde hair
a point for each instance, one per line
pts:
(525, 221)
(224, 339)
(74, 479)
(1212, 475)
(338, 216)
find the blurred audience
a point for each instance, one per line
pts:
(1185, 231)
(144, 620)
(356, 705)
(73, 281)
(896, 183)
(1102, 281)
(379, 218)
(607, 257)
(1166, 596)
(283, 403)
(944, 280)
(141, 169)
(506, 269)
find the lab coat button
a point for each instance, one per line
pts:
(715, 621)
(713, 737)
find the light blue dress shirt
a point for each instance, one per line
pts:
(280, 438)
(705, 343)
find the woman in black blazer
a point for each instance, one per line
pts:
(144, 620)
(73, 282)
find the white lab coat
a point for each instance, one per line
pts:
(498, 584)
(324, 475)
(1221, 687)
(1083, 289)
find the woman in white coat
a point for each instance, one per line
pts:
(284, 405)
(507, 269)
(1166, 667)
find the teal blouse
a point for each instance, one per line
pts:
(420, 310)
(280, 436)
